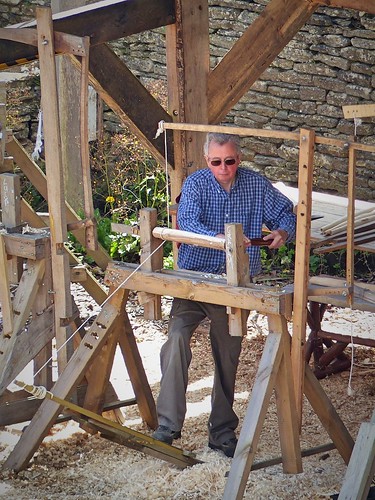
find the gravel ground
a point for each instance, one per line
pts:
(73, 464)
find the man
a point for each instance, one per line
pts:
(211, 197)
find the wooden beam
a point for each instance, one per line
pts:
(350, 226)
(254, 417)
(188, 65)
(29, 343)
(102, 22)
(5, 298)
(253, 53)
(27, 246)
(328, 416)
(129, 99)
(22, 304)
(305, 179)
(151, 258)
(215, 292)
(55, 184)
(361, 5)
(11, 218)
(136, 371)
(237, 266)
(39, 180)
(88, 349)
(361, 468)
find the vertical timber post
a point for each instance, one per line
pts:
(305, 177)
(55, 184)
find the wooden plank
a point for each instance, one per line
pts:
(11, 217)
(29, 344)
(361, 468)
(98, 373)
(91, 236)
(350, 226)
(225, 129)
(237, 267)
(263, 40)
(129, 99)
(288, 418)
(38, 179)
(137, 375)
(27, 246)
(254, 417)
(16, 407)
(328, 416)
(3, 121)
(73, 373)
(301, 277)
(151, 257)
(55, 185)
(361, 5)
(102, 21)
(359, 110)
(188, 66)
(5, 298)
(43, 302)
(22, 303)
(215, 292)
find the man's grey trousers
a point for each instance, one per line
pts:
(175, 359)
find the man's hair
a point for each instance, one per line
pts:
(222, 139)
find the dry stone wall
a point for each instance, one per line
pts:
(328, 64)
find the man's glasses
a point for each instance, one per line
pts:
(228, 162)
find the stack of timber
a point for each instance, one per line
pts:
(335, 233)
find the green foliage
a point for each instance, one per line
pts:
(278, 262)
(126, 179)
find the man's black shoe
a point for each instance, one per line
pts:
(165, 434)
(228, 447)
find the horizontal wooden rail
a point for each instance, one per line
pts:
(256, 132)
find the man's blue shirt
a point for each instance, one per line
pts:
(205, 207)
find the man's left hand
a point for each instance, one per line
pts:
(278, 237)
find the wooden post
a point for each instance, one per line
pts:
(68, 79)
(150, 261)
(188, 66)
(275, 352)
(3, 115)
(11, 217)
(350, 225)
(237, 264)
(5, 299)
(55, 184)
(43, 302)
(73, 373)
(301, 274)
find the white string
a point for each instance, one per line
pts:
(39, 138)
(357, 123)
(350, 388)
(103, 304)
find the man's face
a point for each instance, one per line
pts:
(223, 161)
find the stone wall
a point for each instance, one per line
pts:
(329, 63)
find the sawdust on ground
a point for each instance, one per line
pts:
(87, 466)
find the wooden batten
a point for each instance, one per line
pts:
(237, 267)
(215, 291)
(11, 217)
(151, 258)
(5, 298)
(55, 185)
(188, 66)
(301, 275)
